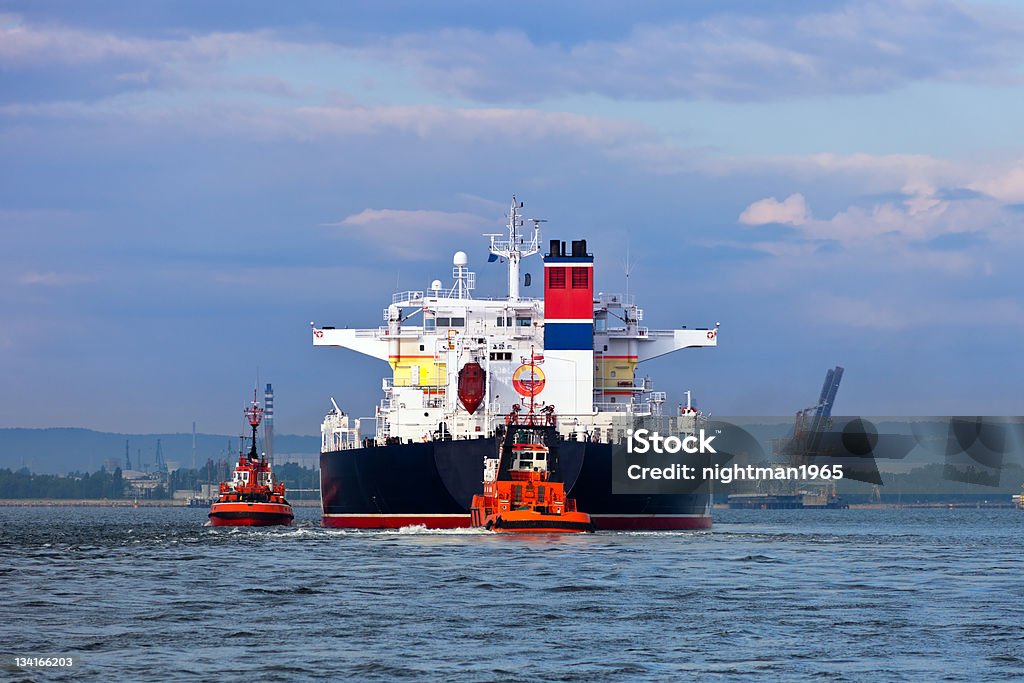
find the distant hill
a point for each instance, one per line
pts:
(62, 450)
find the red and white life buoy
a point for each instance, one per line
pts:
(711, 334)
(318, 333)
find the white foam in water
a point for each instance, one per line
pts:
(422, 529)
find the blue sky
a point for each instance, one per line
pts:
(184, 186)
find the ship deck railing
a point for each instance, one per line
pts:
(417, 296)
(408, 295)
(415, 331)
(614, 298)
(622, 385)
(631, 331)
(627, 407)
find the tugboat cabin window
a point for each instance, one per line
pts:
(504, 321)
(523, 322)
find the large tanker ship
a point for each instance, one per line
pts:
(460, 365)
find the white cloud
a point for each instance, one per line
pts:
(273, 122)
(527, 125)
(52, 279)
(1007, 185)
(790, 211)
(22, 43)
(949, 217)
(408, 234)
(921, 216)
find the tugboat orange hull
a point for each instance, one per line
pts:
(530, 522)
(251, 514)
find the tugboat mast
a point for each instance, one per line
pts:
(254, 414)
(516, 247)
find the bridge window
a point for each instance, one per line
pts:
(458, 322)
(444, 322)
(523, 322)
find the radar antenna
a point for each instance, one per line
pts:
(517, 246)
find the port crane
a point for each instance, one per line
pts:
(813, 421)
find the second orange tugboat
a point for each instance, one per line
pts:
(252, 497)
(519, 493)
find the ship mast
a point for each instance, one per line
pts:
(516, 247)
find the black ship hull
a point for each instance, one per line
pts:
(433, 483)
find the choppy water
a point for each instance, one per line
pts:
(153, 595)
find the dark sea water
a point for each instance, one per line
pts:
(855, 595)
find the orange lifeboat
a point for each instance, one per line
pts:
(252, 497)
(471, 386)
(520, 495)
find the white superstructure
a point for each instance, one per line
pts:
(429, 336)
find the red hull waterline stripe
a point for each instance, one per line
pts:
(239, 519)
(609, 522)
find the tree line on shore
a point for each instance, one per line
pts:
(103, 484)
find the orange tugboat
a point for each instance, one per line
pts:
(251, 498)
(520, 494)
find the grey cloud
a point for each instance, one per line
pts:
(863, 47)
